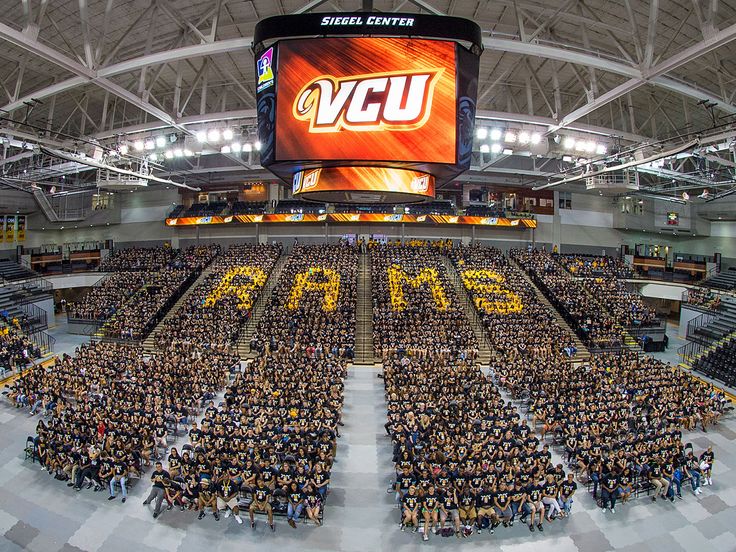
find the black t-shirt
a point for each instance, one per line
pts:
(467, 499)
(568, 487)
(430, 501)
(261, 494)
(534, 492)
(410, 501)
(227, 488)
(296, 497)
(158, 478)
(119, 468)
(405, 481)
(550, 489)
(485, 499)
(503, 499)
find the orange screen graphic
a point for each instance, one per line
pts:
(366, 99)
(364, 179)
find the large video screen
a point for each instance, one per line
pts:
(366, 99)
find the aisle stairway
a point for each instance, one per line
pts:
(725, 280)
(359, 511)
(364, 314)
(723, 323)
(149, 343)
(583, 352)
(484, 349)
(243, 345)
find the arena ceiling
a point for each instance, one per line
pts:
(644, 71)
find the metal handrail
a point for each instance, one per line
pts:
(699, 322)
(43, 340)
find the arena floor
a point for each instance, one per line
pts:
(40, 514)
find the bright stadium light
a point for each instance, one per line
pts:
(536, 138)
(510, 137)
(569, 142)
(227, 134)
(150, 144)
(496, 148)
(138, 145)
(496, 134)
(213, 135)
(524, 137)
(485, 148)
(225, 149)
(201, 136)
(481, 133)
(160, 141)
(168, 154)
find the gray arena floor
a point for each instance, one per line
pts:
(40, 514)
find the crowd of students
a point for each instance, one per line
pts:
(466, 459)
(138, 259)
(415, 307)
(593, 266)
(110, 409)
(313, 303)
(620, 418)
(270, 445)
(528, 331)
(570, 297)
(16, 350)
(702, 296)
(212, 313)
(140, 282)
(273, 437)
(103, 300)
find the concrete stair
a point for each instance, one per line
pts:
(583, 352)
(484, 344)
(149, 344)
(364, 314)
(246, 332)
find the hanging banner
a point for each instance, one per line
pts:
(10, 228)
(21, 224)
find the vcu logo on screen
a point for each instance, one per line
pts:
(398, 100)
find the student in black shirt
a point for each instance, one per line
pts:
(295, 505)
(207, 498)
(518, 498)
(261, 503)
(567, 490)
(502, 503)
(706, 466)
(609, 490)
(120, 474)
(533, 506)
(468, 512)
(448, 509)
(430, 510)
(158, 490)
(486, 510)
(314, 503)
(661, 486)
(227, 496)
(410, 508)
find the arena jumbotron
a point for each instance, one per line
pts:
(367, 275)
